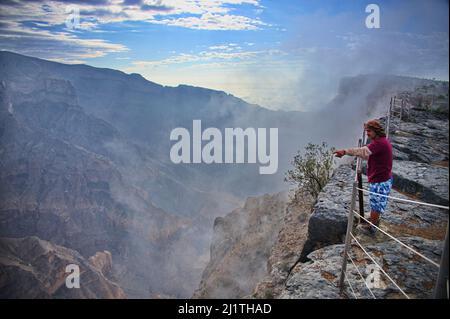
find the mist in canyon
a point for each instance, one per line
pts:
(85, 162)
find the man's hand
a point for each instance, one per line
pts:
(339, 153)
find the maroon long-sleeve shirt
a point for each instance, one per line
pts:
(379, 165)
(379, 156)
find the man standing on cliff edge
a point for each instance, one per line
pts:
(379, 169)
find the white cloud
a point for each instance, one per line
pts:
(201, 57)
(203, 14)
(231, 53)
(57, 46)
(220, 47)
(26, 27)
(212, 21)
(225, 47)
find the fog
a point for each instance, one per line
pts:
(321, 47)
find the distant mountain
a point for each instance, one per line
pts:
(34, 268)
(57, 186)
(145, 113)
(84, 164)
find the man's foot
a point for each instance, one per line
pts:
(365, 230)
(368, 229)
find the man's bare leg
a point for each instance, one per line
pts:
(374, 217)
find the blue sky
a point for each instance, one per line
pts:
(280, 54)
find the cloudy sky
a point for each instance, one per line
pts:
(278, 53)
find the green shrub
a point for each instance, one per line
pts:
(312, 169)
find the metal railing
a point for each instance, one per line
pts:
(398, 107)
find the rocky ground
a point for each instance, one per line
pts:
(319, 278)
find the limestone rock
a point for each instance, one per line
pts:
(428, 183)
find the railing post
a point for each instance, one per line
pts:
(441, 287)
(360, 184)
(348, 238)
(401, 111)
(388, 122)
(364, 136)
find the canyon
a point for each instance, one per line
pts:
(86, 176)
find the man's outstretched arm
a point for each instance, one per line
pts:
(362, 152)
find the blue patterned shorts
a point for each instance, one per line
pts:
(379, 203)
